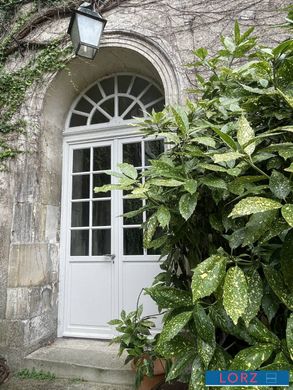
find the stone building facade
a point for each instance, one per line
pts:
(150, 39)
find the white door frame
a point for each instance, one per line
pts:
(90, 136)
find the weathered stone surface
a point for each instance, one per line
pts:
(29, 222)
(12, 333)
(52, 223)
(41, 328)
(29, 265)
(152, 38)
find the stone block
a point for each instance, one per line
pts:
(41, 328)
(52, 223)
(29, 221)
(12, 333)
(17, 303)
(51, 187)
(29, 265)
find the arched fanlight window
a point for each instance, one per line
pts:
(116, 99)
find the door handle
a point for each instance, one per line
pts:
(111, 257)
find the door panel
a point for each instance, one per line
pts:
(138, 275)
(89, 296)
(98, 287)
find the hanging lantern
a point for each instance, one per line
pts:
(86, 28)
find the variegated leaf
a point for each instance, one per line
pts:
(245, 134)
(235, 296)
(253, 205)
(289, 335)
(254, 295)
(252, 358)
(207, 276)
(174, 326)
(287, 213)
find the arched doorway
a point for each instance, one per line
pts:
(104, 263)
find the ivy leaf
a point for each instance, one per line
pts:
(286, 259)
(252, 358)
(128, 170)
(253, 205)
(226, 157)
(191, 186)
(287, 213)
(289, 335)
(187, 205)
(235, 295)
(254, 295)
(204, 325)
(205, 351)
(245, 134)
(279, 185)
(180, 364)
(277, 284)
(169, 297)
(207, 276)
(163, 215)
(174, 326)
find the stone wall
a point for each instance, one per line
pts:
(159, 36)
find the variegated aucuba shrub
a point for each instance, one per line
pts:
(220, 207)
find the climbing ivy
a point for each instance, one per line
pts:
(14, 84)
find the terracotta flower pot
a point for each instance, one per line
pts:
(159, 375)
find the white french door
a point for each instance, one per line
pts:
(105, 264)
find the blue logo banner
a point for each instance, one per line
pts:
(247, 378)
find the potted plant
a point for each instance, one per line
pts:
(135, 339)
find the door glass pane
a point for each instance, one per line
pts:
(84, 106)
(151, 95)
(78, 120)
(131, 205)
(99, 180)
(132, 154)
(133, 241)
(108, 106)
(102, 213)
(98, 117)
(79, 243)
(101, 242)
(94, 93)
(135, 111)
(81, 160)
(153, 149)
(138, 86)
(102, 158)
(124, 103)
(80, 187)
(108, 85)
(80, 214)
(124, 83)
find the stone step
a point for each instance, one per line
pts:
(90, 360)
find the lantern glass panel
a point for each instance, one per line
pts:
(90, 30)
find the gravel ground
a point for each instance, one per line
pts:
(56, 384)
